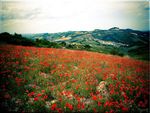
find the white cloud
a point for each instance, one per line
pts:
(63, 15)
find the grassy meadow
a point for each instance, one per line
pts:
(60, 80)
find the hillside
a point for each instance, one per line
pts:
(47, 80)
(125, 41)
(122, 42)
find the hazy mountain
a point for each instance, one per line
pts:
(122, 37)
(114, 40)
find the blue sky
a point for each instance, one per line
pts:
(38, 16)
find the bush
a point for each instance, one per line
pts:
(116, 51)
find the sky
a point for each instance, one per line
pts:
(49, 16)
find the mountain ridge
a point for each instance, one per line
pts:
(121, 37)
(127, 41)
(112, 41)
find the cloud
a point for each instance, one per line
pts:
(63, 15)
(7, 15)
(33, 10)
(17, 10)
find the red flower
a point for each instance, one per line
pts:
(26, 54)
(141, 104)
(36, 99)
(100, 97)
(67, 75)
(77, 87)
(80, 106)
(78, 99)
(74, 81)
(45, 97)
(94, 109)
(94, 97)
(107, 103)
(43, 91)
(59, 110)
(124, 109)
(69, 106)
(31, 94)
(86, 83)
(60, 99)
(54, 106)
(39, 95)
(60, 75)
(99, 103)
(111, 111)
(18, 81)
(7, 96)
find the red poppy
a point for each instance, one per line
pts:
(81, 106)
(124, 109)
(141, 104)
(86, 88)
(7, 96)
(36, 99)
(60, 75)
(94, 97)
(86, 83)
(31, 94)
(43, 91)
(94, 109)
(99, 104)
(54, 106)
(39, 95)
(45, 97)
(69, 106)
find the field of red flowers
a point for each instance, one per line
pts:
(59, 80)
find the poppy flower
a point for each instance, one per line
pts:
(94, 98)
(68, 105)
(36, 99)
(54, 106)
(39, 95)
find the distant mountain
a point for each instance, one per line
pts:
(116, 36)
(112, 41)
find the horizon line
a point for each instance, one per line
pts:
(76, 31)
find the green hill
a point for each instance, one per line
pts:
(122, 42)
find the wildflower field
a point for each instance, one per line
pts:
(60, 80)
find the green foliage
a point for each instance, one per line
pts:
(16, 39)
(54, 45)
(87, 47)
(116, 51)
(41, 43)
